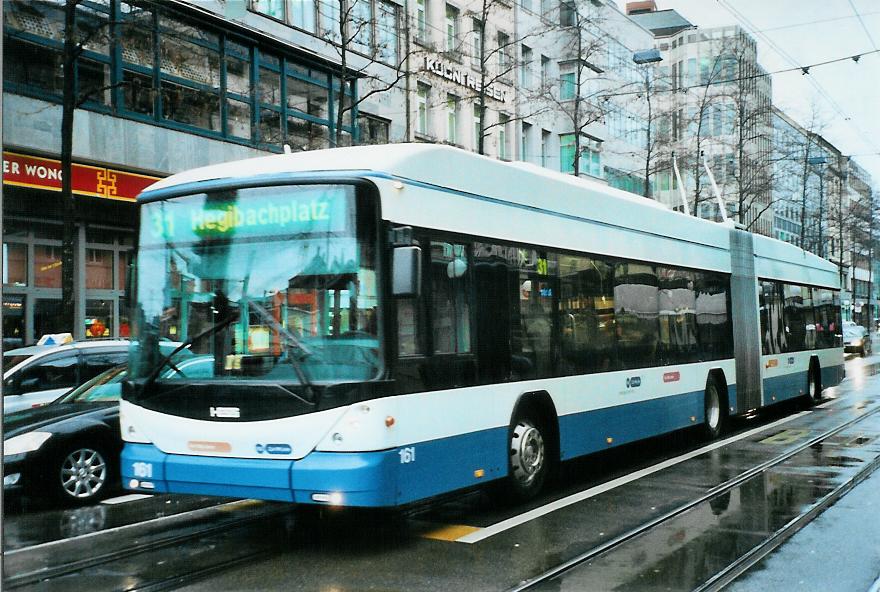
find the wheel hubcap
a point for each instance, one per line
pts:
(527, 452)
(83, 473)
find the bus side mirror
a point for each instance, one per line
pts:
(406, 272)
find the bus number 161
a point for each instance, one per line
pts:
(407, 455)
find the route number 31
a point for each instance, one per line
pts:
(407, 455)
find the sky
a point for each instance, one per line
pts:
(801, 33)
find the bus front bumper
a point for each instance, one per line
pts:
(323, 478)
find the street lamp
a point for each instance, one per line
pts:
(647, 56)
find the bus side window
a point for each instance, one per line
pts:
(450, 290)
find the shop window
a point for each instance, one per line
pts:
(14, 265)
(13, 321)
(99, 269)
(47, 266)
(47, 318)
(99, 318)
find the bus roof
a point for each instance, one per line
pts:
(522, 184)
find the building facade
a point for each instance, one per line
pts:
(714, 103)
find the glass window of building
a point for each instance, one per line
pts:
(372, 130)
(567, 86)
(328, 16)
(273, 8)
(14, 265)
(452, 106)
(361, 15)
(387, 32)
(47, 266)
(478, 125)
(302, 14)
(451, 28)
(14, 315)
(421, 21)
(422, 101)
(545, 71)
(525, 71)
(567, 13)
(503, 136)
(504, 61)
(476, 43)
(525, 147)
(99, 269)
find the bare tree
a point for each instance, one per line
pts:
(582, 88)
(364, 35)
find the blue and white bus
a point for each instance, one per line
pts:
(381, 325)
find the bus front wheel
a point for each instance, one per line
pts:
(528, 460)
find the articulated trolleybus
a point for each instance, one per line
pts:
(375, 326)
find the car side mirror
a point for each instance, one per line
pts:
(406, 272)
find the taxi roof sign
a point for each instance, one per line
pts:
(55, 339)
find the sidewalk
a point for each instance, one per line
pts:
(839, 551)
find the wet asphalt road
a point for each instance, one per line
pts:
(471, 543)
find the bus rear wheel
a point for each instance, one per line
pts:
(814, 384)
(713, 406)
(527, 458)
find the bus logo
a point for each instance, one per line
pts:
(273, 448)
(233, 412)
(634, 382)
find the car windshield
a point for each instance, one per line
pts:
(104, 387)
(269, 283)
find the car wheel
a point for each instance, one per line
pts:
(83, 475)
(527, 453)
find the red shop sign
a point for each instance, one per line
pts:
(45, 173)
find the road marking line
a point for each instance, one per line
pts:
(515, 521)
(450, 532)
(126, 498)
(785, 437)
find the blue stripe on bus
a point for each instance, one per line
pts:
(832, 375)
(784, 387)
(407, 474)
(584, 433)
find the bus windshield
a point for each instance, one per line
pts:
(266, 283)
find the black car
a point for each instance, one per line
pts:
(67, 451)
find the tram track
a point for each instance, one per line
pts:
(122, 543)
(742, 564)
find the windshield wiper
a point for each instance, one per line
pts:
(165, 361)
(292, 341)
